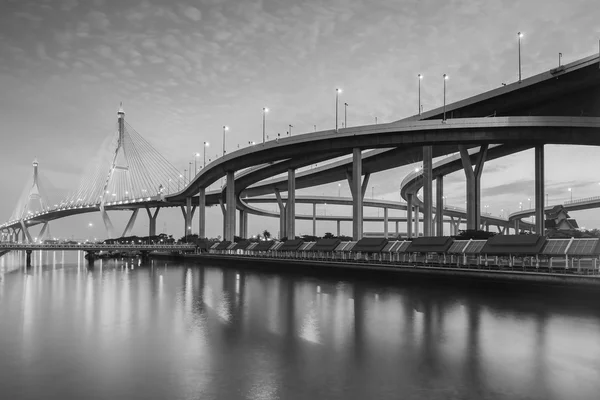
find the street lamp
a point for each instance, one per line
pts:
(190, 172)
(206, 144)
(339, 189)
(337, 95)
(571, 191)
(195, 163)
(291, 126)
(559, 57)
(420, 78)
(346, 114)
(445, 79)
(519, 35)
(179, 182)
(529, 198)
(225, 128)
(265, 111)
(520, 206)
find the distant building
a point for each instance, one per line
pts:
(557, 219)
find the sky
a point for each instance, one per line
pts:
(184, 69)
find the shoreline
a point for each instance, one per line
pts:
(442, 273)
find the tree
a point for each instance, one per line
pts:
(328, 235)
(266, 234)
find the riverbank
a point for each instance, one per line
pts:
(441, 273)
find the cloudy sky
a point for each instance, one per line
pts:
(184, 69)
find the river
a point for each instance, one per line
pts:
(169, 330)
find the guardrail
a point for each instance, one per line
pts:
(95, 246)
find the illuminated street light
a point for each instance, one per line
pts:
(196, 155)
(519, 35)
(346, 115)
(206, 144)
(571, 191)
(225, 128)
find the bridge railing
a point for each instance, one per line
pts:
(95, 246)
(584, 200)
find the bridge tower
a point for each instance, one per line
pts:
(33, 203)
(119, 166)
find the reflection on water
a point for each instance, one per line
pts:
(166, 330)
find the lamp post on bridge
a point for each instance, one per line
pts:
(445, 79)
(571, 192)
(265, 111)
(337, 96)
(196, 155)
(420, 79)
(519, 35)
(346, 115)
(339, 189)
(206, 144)
(190, 172)
(225, 128)
(290, 126)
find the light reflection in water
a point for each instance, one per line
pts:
(158, 331)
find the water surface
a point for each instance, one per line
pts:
(168, 330)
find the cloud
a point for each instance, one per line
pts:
(192, 13)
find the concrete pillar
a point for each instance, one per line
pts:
(282, 214)
(188, 216)
(338, 227)
(439, 205)
(516, 226)
(427, 191)
(243, 224)
(417, 217)
(202, 213)
(291, 205)
(314, 219)
(231, 207)
(539, 190)
(385, 222)
(152, 221)
(130, 223)
(473, 184)
(397, 230)
(224, 212)
(409, 215)
(357, 195)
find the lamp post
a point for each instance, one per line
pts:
(190, 172)
(339, 189)
(519, 35)
(337, 95)
(196, 163)
(445, 79)
(529, 199)
(291, 126)
(571, 191)
(179, 182)
(520, 206)
(315, 127)
(559, 57)
(420, 78)
(225, 129)
(346, 114)
(206, 144)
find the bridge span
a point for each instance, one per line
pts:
(559, 106)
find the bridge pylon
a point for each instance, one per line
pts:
(33, 202)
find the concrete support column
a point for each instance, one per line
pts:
(231, 207)
(282, 214)
(385, 222)
(539, 190)
(338, 227)
(243, 224)
(417, 217)
(314, 219)
(516, 226)
(439, 205)
(224, 212)
(427, 191)
(152, 221)
(188, 216)
(291, 205)
(357, 195)
(409, 214)
(473, 184)
(397, 230)
(202, 213)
